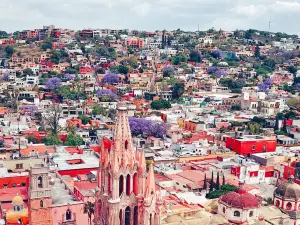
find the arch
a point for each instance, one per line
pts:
(18, 208)
(126, 144)
(120, 217)
(288, 206)
(40, 182)
(128, 184)
(150, 219)
(127, 215)
(135, 216)
(135, 184)
(68, 214)
(251, 214)
(121, 185)
(236, 214)
(277, 203)
(41, 204)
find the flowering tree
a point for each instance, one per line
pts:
(53, 83)
(106, 95)
(298, 85)
(69, 76)
(110, 78)
(221, 73)
(217, 53)
(5, 77)
(263, 87)
(168, 71)
(211, 69)
(147, 127)
(268, 82)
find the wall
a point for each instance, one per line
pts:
(11, 164)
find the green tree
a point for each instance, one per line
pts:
(123, 69)
(257, 51)
(292, 69)
(84, 119)
(55, 57)
(98, 110)
(211, 183)
(218, 181)
(254, 128)
(284, 127)
(28, 71)
(205, 183)
(9, 50)
(32, 139)
(52, 139)
(89, 208)
(47, 44)
(195, 56)
(160, 104)
(177, 90)
(74, 139)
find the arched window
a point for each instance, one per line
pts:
(288, 206)
(18, 208)
(127, 216)
(135, 216)
(224, 210)
(40, 182)
(277, 203)
(68, 214)
(120, 217)
(251, 214)
(135, 184)
(236, 214)
(128, 191)
(126, 144)
(150, 219)
(41, 204)
(121, 185)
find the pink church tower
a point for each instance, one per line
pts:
(126, 193)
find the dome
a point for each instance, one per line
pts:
(240, 200)
(289, 190)
(17, 200)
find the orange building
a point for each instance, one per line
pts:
(135, 43)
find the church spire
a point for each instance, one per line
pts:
(150, 188)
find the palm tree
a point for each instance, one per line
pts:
(89, 208)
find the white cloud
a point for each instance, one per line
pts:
(151, 14)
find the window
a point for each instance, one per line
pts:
(68, 214)
(277, 203)
(4, 185)
(288, 206)
(14, 185)
(253, 147)
(236, 214)
(224, 210)
(251, 214)
(41, 204)
(19, 166)
(126, 144)
(40, 182)
(23, 184)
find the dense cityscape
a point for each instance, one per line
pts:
(130, 127)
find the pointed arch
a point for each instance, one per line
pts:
(68, 214)
(135, 215)
(135, 184)
(128, 184)
(127, 215)
(126, 144)
(120, 217)
(121, 185)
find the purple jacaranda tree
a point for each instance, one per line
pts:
(212, 69)
(221, 73)
(5, 76)
(69, 76)
(147, 127)
(298, 86)
(53, 83)
(168, 71)
(263, 87)
(110, 78)
(217, 54)
(106, 95)
(268, 82)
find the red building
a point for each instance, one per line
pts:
(85, 70)
(251, 144)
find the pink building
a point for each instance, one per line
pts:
(135, 43)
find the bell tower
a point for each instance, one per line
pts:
(40, 201)
(122, 179)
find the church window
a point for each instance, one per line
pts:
(127, 215)
(289, 206)
(121, 185)
(236, 214)
(128, 191)
(68, 214)
(40, 182)
(251, 214)
(150, 219)
(135, 216)
(120, 216)
(41, 204)
(126, 144)
(135, 184)
(277, 203)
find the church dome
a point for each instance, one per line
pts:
(240, 200)
(17, 200)
(288, 190)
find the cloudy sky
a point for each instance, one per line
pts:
(152, 14)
